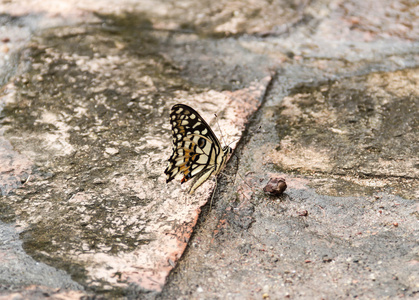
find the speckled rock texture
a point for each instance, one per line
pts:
(323, 94)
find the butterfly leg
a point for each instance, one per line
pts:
(213, 193)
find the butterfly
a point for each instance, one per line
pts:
(196, 150)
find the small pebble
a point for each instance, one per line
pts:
(276, 186)
(4, 49)
(111, 151)
(303, 213)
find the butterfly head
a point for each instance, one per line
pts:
(227, 150)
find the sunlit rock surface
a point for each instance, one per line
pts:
(85, 136)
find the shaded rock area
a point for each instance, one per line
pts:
(321, 93)
(371, 136)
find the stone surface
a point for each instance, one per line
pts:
(84, 139)
(90, 116)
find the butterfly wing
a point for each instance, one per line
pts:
(196, 149)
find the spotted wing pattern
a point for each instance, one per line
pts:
(196, 150)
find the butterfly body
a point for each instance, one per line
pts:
(196, 150)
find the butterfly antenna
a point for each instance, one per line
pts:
(234, 141)
(219, 128)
